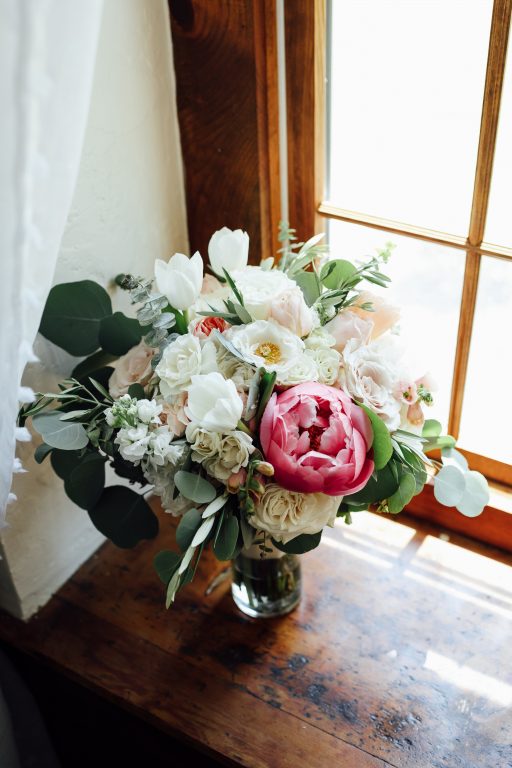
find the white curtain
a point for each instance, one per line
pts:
(47, 56)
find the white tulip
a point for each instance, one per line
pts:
(180, 280)
(228, 250)
(213, 403)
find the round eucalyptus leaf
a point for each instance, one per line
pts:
(85, 483)
(187, 528)
(336, 272)
(476, 495)
(42, 452)
(64, 462)
(72, 316)
(300, 544)
(124, 517)
(194, 487)
(226, 537)
(165, 564)
(60, 434)
(451, 457)
(404, 493)
(449, 485)
(118, 333)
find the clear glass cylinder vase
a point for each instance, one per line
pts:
(266, 584)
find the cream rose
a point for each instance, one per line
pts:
(349, 326)
(204, 444)
(132, 368)
(260, 287)
(383, 317)
(233, 454)
(291, 311)
(287, 514)
(183, 359)
(369, 376)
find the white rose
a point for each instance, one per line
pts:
(213, 403)
(287, 514)
(259, 287)
(349, 326)
(233, 454)
(290, 310)
(204, 443)
(133, 442)
(319, 338)
(180, 280)
(132, 368)
(327, 363)
(369, 375)
(228, 250)
(148, 411)
(265, 343)
(183, 359)
(303, 369)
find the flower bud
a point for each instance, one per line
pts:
(265, 468)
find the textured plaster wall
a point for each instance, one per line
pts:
(128, 209)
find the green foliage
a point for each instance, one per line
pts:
(194, 487)
(60, 434)
(166, 563)
(97, 362)
(431, 428)
(404, 493)
(226, 536)
(124, 517)
(119, 333)
(42, 452)
(300, 544)
(137, 391)
(187, 528)
(336, 273)
(267, 384)
(310, 286)
(381, 485)
(64, 462)
(382, 446)
(86, 481)
(72, 316)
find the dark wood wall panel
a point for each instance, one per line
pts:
(225, 59)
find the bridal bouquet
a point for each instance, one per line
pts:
(259, 402)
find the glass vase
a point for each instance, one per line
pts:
(266, 584)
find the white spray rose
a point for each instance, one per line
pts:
(319, 338)
(260, 287)
(287, 514)
(213, 403)
(327, 362)
(303, 369)
(180, 280)
(369, 375)
(233, 454)
(228, 250)
(183, 359)
(204, 443)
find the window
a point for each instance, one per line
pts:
(400, 129)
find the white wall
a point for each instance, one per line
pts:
(128, 209)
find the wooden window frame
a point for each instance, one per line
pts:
(306, 43)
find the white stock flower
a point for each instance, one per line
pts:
(287, 514)
(133, 442)
(233, 454)
(148, 411)
(260, 287)
(213, 403)
(204, 443)
(369, 375)
(265, 343)
(183, 359)
(327, 362)
(161, 450)
(180, 279)
(228, 250)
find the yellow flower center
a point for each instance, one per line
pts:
(269, 352)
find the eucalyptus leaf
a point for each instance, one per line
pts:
(187, 557)
(42, 452)
(382, 445)
(118, 333)
(86, 481)
(300, 544)
(72, 316)
(203, 531)
(476, 495)
(64, 462)
(194, 487)
(137, 391)
(172, 588)
(379, 487)
(187, 528)
(215, 505)
(431, 428)
(403, 494)
(309, 284)
(124, 516)
(449, 485)
(60, 434)
(226, 537)
(165, 564)
(93, 364)
(336, 272)
(311, 242)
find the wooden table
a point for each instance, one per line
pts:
(398, 655)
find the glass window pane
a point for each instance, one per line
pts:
(498, 229)
(406, 89)
(486, 426)
(426, 286)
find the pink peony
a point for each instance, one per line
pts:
(317, 440)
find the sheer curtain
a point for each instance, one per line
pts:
(47, 56)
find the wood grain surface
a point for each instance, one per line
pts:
(398, 654)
